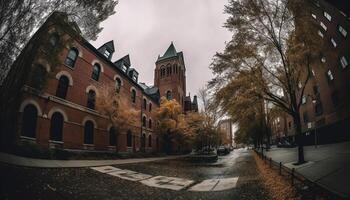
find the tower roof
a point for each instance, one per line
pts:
(170, 52)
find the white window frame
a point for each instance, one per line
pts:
(313, 16)
(320, 34)
(323, 59)
(327, 16)
(330, 75)
(334, 43)
(344, 62)
(342, 31)
(303, 100)
(323, 26)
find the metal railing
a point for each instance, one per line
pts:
(298, 180)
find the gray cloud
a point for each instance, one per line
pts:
(145, 28)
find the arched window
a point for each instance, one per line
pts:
(150, 141)
(129, 139)
(71, 57)
(89, 132)
(144, 104)
(133, 95)
(38, 76)
(144, 121)
(150, 107)
(91, 99)
(149, 123)
(168, 71)
(29, 119)
(168, 95)
(175, 68)
(54, 38)
(62, 87)
(56, 126)
(143, 142)
(112, 137)
(96, 69)
(118, 84)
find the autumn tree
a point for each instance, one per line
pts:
(275, 39)
(171, 124)
(116, 109)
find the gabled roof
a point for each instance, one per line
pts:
(125, 60)
(109, 45)
(169, 53)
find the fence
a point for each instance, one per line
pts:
(298, 180)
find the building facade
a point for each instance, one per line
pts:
(226, 137)
(325, 109)
(62, 113)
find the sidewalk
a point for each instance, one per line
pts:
(42, 163)
(328, 165)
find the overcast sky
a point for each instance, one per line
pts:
(145, 28)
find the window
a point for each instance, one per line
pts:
(313, 73)
(344, 62)
(305, 117)
(144, 121)
(71, 57)
(133, 95)
(342, 31)
(96, 69)
(335, 98)
(62, 87)
(320, 34)
(334, 43)
(289, 125)
(91, 99)
(118, 84)
(144, 105)
(313, 15)
(56, 127)
(54, 40)
(107, 53)
(124, 68)
(300, 85)
(29, 120)
(316, 90)
(89, 132)
(150, 141)
(323, 26)
(150, 107)
(323, 59)
(129, 139)
(327, 16)
(175, 69)
(330, 76)
(303, 99)
(112, 137)
(318, 108)
(168, 95)
(149, 123)
(168, 71)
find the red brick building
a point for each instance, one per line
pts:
(325, 110)
(62, 114)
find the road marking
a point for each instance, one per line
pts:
(215, 185)
(130, 175)
(171, 183)
(105, 169)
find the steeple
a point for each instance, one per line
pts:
(170, 52)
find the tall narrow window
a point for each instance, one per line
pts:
(327, 16)
(29, 120)
(129, 139)
(334, 43)
(150, 141)
(344, 62)
(89, 132)
(96, 69)
(144, 121)
(318, 108)
(323, 26)
(150, 107)
(330, 76)
(62, 87)
(118, 84)
(91, 99)
(168, 95)
(144, 106)
(149, 123)
(112, 137)
(133, 95)
(56, 127)
(305, 117)
(342, 31)
(71, 57)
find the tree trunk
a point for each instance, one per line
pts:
(299, 137)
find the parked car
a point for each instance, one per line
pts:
(285, 144)
(222, 150)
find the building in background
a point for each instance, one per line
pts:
(62, 114)
(227, 137)
(325, 109)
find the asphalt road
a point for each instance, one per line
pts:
(233, 176)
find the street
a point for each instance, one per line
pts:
(233, 176)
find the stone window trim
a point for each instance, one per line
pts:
(32, 102)
(75, 46)
(95, 61)
(59, 110)
(92, 87)
(44, 63)
(88, 118)
(118, 77)
(67, 74)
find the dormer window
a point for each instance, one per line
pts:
(107, 53)
(124, 68)
(134, 77)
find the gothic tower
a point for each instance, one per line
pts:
(169, 75)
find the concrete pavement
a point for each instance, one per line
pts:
(328, 165)
(43, 163)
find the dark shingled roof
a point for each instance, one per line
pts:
(170, 52)
(109, 45)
